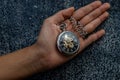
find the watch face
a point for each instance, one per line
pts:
(68, 43)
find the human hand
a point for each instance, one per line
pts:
(91, 16)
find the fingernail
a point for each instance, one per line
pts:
(73, 8)
(98, 2)
(107, 4)
(107, 14)
(103, 31)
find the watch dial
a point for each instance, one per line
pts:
(68, 43)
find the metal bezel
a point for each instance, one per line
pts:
(58, 43)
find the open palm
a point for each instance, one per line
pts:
(90, 16)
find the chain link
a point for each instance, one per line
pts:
(63, 26)
(78, 27)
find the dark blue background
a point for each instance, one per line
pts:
(20, 22)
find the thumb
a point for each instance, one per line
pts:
(62, 15)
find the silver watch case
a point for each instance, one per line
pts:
(68, 43)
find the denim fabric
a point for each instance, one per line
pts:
(20, 23)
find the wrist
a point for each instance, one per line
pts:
(40, 59)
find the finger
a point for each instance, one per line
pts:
(62, 15)
(93, 15)
(87, 9)
(92, 26)
(93, 38)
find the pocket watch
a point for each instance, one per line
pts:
(67, 42)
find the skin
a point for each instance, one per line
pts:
(43, 55)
